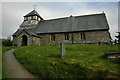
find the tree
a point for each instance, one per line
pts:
(6, 42)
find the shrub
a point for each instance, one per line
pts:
(6, 42)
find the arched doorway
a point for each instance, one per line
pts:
(24, 40)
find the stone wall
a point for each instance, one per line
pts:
(31, 40)
(14, 43)
(36, 40)
(90, 37)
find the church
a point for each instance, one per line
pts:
(85, 29)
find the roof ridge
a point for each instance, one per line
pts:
(74, 16)
(90, 15)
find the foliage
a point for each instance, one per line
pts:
(4, 74)
(0, 62)
(4, 48)
(80, 61)
(6, 42)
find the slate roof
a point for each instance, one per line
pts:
(32, 13)
(28, 30)
(71, 24)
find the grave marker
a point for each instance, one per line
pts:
(63, 49)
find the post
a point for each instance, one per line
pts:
(63, 49)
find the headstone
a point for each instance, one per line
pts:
(63, 49)
(112, 55)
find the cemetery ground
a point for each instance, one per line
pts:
(80, 61)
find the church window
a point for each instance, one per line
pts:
(82, 35)
(52, 37)
(66, 36)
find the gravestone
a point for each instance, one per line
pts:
(113, 55)
(63, 49)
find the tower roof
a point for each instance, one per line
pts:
(32, 13)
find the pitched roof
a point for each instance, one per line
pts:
(28, 30)
(70, 24)
(32, 13)
(73, 23)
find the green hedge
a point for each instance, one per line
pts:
(6, 42)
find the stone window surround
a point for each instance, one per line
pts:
(66, 36)
(82, 36)
(52, 37)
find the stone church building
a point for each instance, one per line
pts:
(84, 29)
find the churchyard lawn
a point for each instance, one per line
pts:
(80, 61)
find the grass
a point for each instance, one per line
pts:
(0, 62)
(80, 61)
(3, 50)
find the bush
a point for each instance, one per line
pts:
(6, 42)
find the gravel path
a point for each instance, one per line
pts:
(13, 68)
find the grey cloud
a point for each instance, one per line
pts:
(0, 19)
(60, 0)
(13, 13)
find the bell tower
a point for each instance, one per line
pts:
(31, 19)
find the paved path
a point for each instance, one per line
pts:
(13, 68)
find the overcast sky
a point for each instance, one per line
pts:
(13, 12)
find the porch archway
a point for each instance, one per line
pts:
(24, 40)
